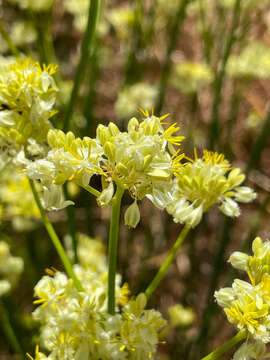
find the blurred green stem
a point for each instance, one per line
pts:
(173, 36)
(71, 224)
(218, 84)
(216, 354)
(11, 45)
(9, 331)
(113, 247)
(169, 259)
(258, 146)
(53, 236)
(87, 44)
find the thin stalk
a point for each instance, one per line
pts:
(9, 332)
(72, 224)
(169, 259)
(11, 45)
(92, 191)
(216, 354)
(113, 246)
(214, 123)
(173, 36)
(87, 44)
(258, 146)
(53, 236)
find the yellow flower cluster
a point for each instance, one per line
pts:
(247, 305)
(27, 96)
(204, 182)
(190, 77)
(252, 62)
(76, 325)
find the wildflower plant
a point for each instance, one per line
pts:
(86, 310)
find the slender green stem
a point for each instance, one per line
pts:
(53, 236)
(71, 223)
(9, 331)
(169, 259)
(216, 354)
(92, 191)
(113, 246)
(173, 36)
(214, 123)
(11, 45)
(258, 146)
(87, 44)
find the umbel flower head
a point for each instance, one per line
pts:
(141, 95)
(27, 97)
(204, 182)
(190, 77)
(247, 305)
(76, 325)
(139, 160)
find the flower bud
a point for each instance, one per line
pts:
(109, 150)
(239, 260)
(106, 195)
(132, 215)
(113, 129)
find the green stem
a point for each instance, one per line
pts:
(72, 224)
(214, 123)
(10, 43)
(171, 256)
(59, 248)
(216, 354)
(113, 245)
(87, 44)
(258, 146)
(91, 190)
(173, 36)
(9, 331)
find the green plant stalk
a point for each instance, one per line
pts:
(216, 354)
(169, 259)
(55, 240)
(87, 44)
(9, 331)
(92, 191)
(214, 122)
(113, 247)
(173, 36)
(72, 224)
(258, 146)
(11, 45)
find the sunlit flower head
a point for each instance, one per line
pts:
(139, 160)
(247, 304)
(27, 96)
(203, 182)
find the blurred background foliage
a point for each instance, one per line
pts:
(207, 63)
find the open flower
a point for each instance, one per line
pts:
(27, 97)
(204, 182)
(247, 304)
(139, 160)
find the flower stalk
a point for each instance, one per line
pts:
(87, 44)
(53, 236)
(113, 245)
(218, 352)
(169, 259)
